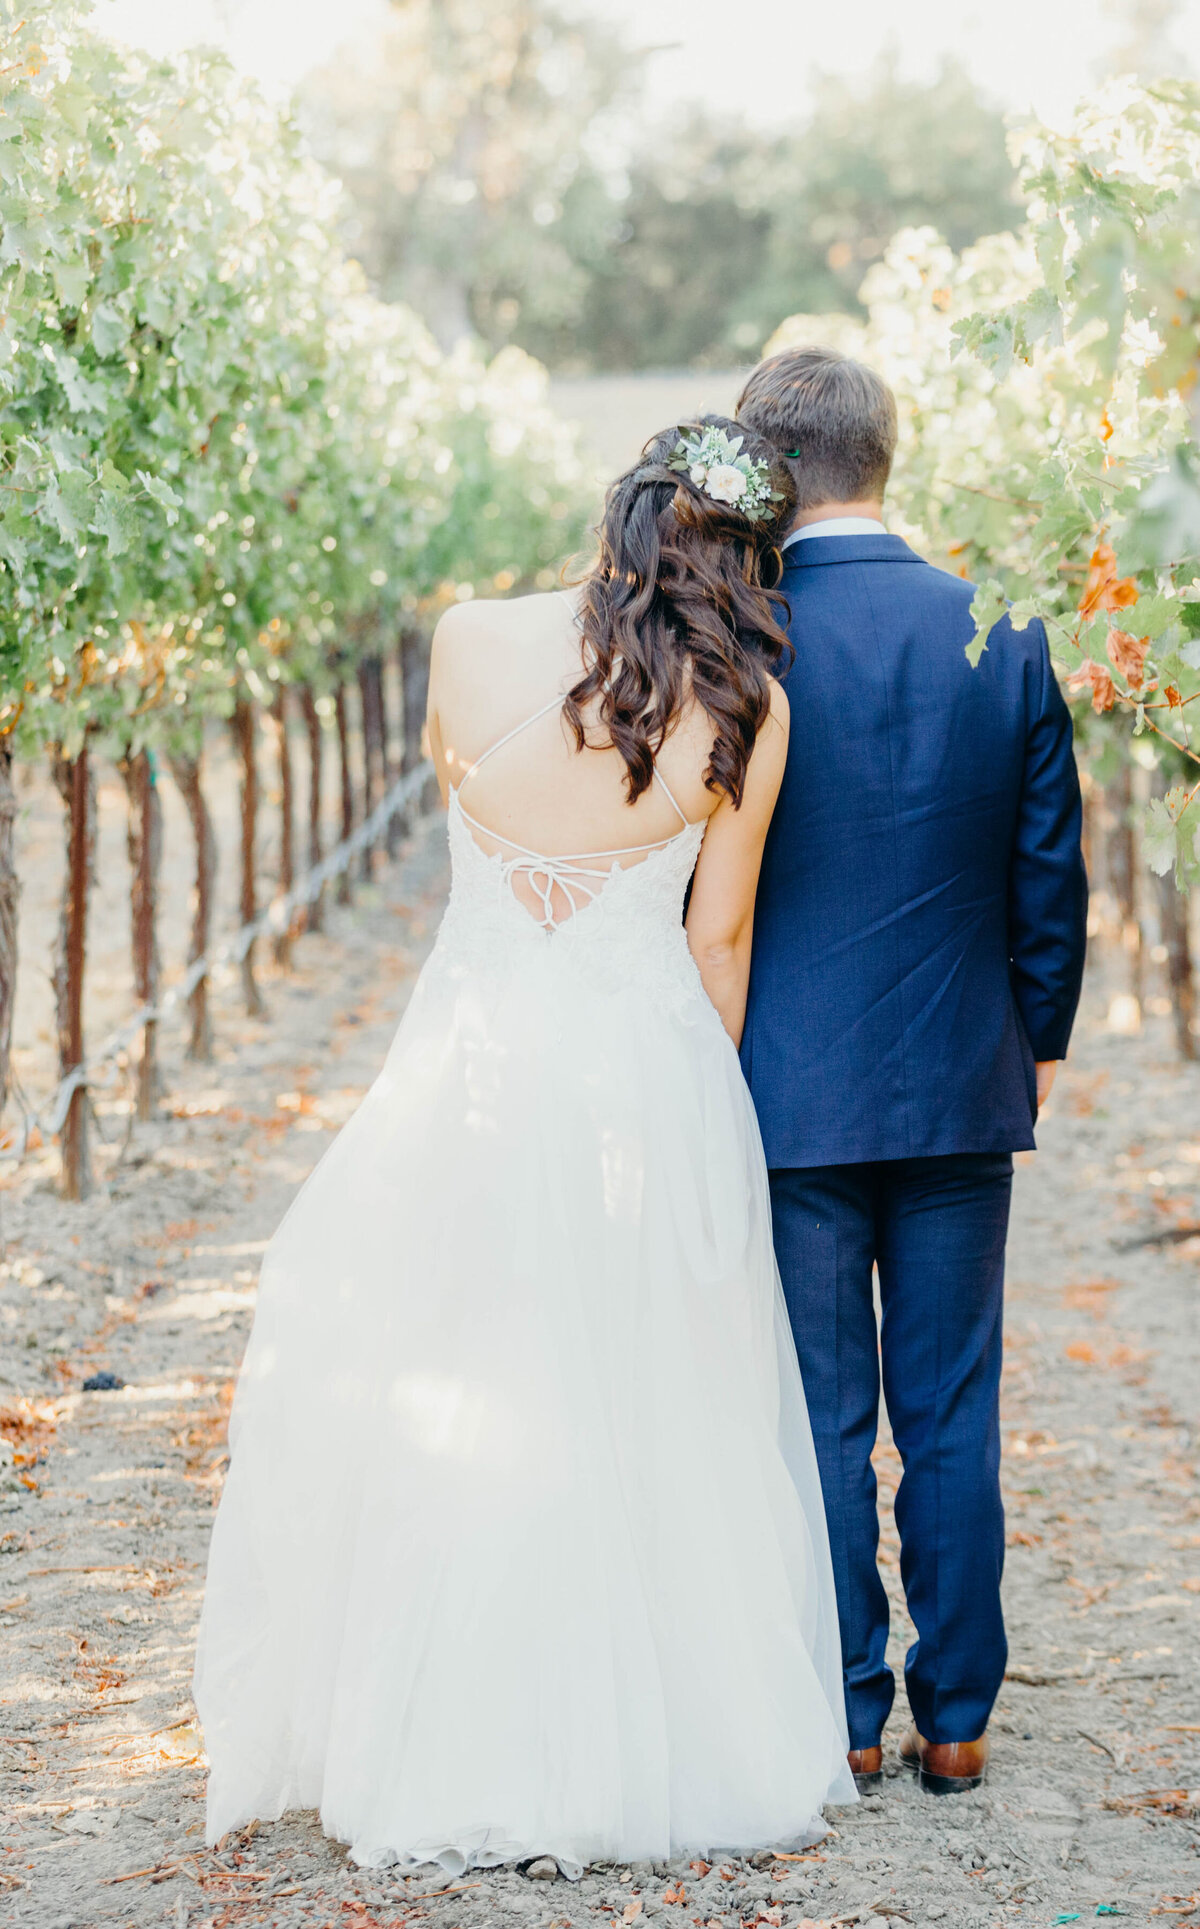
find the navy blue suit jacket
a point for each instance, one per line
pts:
(921, 918)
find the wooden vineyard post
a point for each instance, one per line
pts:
(187, 774)
(144, 841)
(414, 685)
(1122, 872)
(314, 916)
(1090, 835)
(372, 742)
(391, 764)
(287, 818)
(344, 891)
(1180, 977)
(75, 784)
(9, 900)
(242, 727)
(1173, 908)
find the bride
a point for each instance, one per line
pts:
(522, 1550)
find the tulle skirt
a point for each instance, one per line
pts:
(522, 1548)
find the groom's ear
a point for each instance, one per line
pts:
(832, 419)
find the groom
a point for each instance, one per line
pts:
(919, 943)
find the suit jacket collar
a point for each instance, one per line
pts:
(849, 549)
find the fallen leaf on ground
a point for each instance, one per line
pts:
(1164, 1801)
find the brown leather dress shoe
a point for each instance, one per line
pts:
(945, 1767)
(866, 1766)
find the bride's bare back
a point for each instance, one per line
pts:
(495, 666)
(500, 742)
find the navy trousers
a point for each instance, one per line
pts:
(936, 1228)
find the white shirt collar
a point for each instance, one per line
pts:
(836, 526)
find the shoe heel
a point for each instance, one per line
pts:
(947, 1784)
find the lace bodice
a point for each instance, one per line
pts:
(627, 930)
(602, 919)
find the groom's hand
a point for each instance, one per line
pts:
(1045, 1079)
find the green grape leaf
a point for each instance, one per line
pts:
(1051, 250)
(111, 477)
(84, 397)
(117, 520)
(1023, 611)
(1152, 614)
(71, 280)
(190, 344)
(162, 493)
(1160, 838)
(1041, 319)
(990, 337)
(69, 503)
(988, 606)
(75, 104)
(17, 531)
(24, 242)
(157, 307)
(110, 330)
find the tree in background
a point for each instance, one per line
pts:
(726, 230)
(497, 180)
(692, 233)
(465, 133)
(876, 156)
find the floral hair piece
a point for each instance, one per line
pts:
(714, 462)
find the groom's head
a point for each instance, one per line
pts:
(834, 420)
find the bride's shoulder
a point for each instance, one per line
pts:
(781, 709)
(764, 773)
(771, 748)
(476, 626)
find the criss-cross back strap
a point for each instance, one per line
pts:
(669, 794)
(556, 703)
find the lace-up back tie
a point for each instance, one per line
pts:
(578, 876)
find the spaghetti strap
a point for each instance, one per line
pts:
(573, 859)
(508, 736)
(669, 794)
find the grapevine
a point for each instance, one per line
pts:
(226, 472)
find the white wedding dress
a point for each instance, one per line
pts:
(522, 1548)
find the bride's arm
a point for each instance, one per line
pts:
(433, 724)
(720, 920)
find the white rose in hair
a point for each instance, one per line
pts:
(698, 472)
(725, 483)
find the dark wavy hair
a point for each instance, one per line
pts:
(676, 608)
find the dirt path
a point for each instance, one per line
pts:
(107, 1499)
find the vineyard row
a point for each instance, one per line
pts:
(363, 759)
(230, 479)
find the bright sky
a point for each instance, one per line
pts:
(1032, 54)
